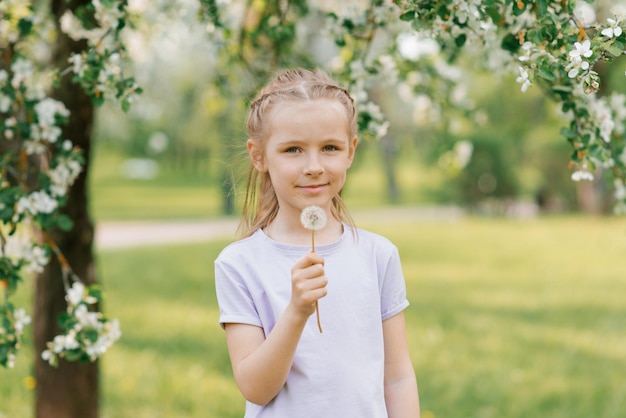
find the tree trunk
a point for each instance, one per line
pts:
(72, 389)
(388, 147)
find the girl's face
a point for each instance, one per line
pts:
(307, 152)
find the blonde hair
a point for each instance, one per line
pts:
(261, 204)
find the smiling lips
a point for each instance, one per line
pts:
(313, 188)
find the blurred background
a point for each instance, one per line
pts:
(515, 273)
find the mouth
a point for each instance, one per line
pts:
(313, 188)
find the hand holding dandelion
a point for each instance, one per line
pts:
(313, 218)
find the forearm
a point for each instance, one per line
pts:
(262, 374)
(401, 397)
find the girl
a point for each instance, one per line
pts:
(302, 139)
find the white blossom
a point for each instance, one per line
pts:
(87, 319)
(21, 319)
(576, 55)
(48, 109)
(19, 249)
(22, 72)
(75, 294)
(46, 355)
(601, 114)
(108, 17)
(36, 260)
(36, 202)
(614, 30)
(63, 176)
(5, 103)
(527, 48)
(78, 64)
(583, 174)
(70, 342)
(523, 78)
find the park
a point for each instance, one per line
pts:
(492, 153)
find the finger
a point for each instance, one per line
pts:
(311, 272)
(309, 259)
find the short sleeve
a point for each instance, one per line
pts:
(235, 302)
(393, 288)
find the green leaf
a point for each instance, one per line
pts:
(25, 26)
(562, 88)
(73, 355)
(90, 334)
(616, 49)
(409, 15)
(95, 291)
(460, 40)
(125, 105)
(65, 223)
(4, 355)
(65, 320)
(494, 14)
(569, 133)
(567, 106)
(443, 12)
(510, 43)
(542, 6)
(546, 75)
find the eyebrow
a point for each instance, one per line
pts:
(305, 141)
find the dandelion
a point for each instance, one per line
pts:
(313, 218)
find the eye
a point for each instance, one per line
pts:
(292, 150)
(329, 148)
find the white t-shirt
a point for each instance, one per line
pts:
(338, 373)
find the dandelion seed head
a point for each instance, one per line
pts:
(313, 218)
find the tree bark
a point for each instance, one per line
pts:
(72, 389)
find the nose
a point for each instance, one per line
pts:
(314, 166)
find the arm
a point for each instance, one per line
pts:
(260, 364)
(401, 394)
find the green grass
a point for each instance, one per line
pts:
(508, 319)
(169, 196)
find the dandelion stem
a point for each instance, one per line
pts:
(317, 310)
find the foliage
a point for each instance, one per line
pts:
(413, 45)
(556, 50)
(38, 165)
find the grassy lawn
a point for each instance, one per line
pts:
(508, 319)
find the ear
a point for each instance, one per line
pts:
(256, 155)
(352, 149)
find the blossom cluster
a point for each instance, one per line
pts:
(31, 133)
(100, 69)
(410, 65)
(352, 29)
(550, 44)
(87, 334)
(12, 323)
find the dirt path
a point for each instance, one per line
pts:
(146, 233)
